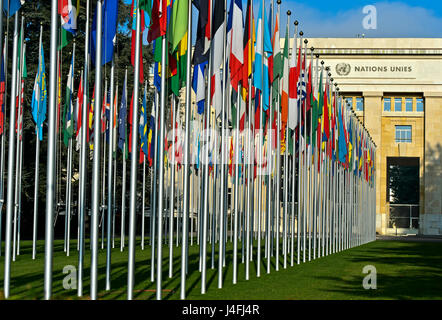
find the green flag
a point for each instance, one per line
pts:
(65, 38)
(178, 23)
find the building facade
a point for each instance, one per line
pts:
(395, 88)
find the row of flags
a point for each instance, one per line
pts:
(240, 72)
(251, 53)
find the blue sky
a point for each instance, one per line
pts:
(343, 18)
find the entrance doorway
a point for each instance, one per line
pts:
(403, 194)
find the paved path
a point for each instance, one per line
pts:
(411, 238)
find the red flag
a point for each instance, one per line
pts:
(158, 23)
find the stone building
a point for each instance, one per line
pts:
(395, 88)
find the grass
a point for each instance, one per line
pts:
(405, 270)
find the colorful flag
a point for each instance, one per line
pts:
(217, 55)
(122, 119)
(237, 45)
(68, 14)
(109, 29)
(68, 126)
(14, 6)
(133, 15)
(151, 137)
(39, 95)
(143, 125)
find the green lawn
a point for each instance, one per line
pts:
(405, 270)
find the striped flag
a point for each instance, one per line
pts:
(68, 126)
(237, 42)
(217, 56)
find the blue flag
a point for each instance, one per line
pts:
(109, 29)
(143, 126)
(122, 117)
(14, 5)
(39, 95)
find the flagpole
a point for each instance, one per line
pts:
(96, 161)
(2, 166)
(143, 201)
(20, 140)
(186, 187)
(37, 159)
(102, 132)
(69, 166)
(17, 150)
(83, 157)
(110, 199)
(172, 189)
(154, 193)
(223, 209)
(161, 163)
(50, 180)
(114, 155)
(134, 161)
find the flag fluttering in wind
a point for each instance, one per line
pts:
(68, 14)
(109, 29)
(14, 6)
(39, 95)
(68, 125)
(122, 119)
(143, 124)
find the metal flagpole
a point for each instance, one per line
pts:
(110, 199)
(172, 189)
(96, 162)
(143, 202)
(114, 144)
(37, 162)
(2, 156)
(123, 192)
(223, 209)
(153, 211)
(17, 150)
(83, 158)
(20, 147)
(286, 171)
(11, 159)
(278, 162)
(306, 151)
(133, 168)
(186, 160)
(298, 214)
(50, 178)
(237, 193)
(161, 164)
(69, 169)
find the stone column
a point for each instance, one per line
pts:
(373, 123)
(431, 219)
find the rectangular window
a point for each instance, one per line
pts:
(419, 104)
(359, 104)
(387, 104)
(403, 134)
(408, 104)
(398, 104)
